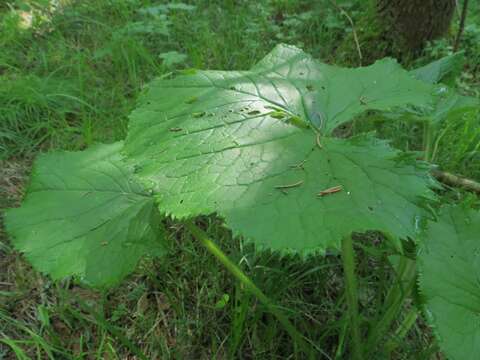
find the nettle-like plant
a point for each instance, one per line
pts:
(258, 148)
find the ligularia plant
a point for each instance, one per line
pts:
(258, 148)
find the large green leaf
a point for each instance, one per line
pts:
(449, 265)
(84, 214)
(439, 70)
(287, 80)
(451, 107)
(241, 144)
(448, 106)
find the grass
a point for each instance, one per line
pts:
(72, 79)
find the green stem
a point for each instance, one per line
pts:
(407, 324)
(437, 143)
(403, 329)
(427, 141)
(200, 235)
(341, 341)
(348, 258)
(394, 301)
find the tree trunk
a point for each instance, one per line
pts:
(396, 28)
(414, 22)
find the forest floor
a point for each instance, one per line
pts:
(70, 78)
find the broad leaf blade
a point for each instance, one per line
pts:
(449, 280)
(348, 186)
(246, 173)
(451, 107)
(236, 143)
(448, 105)
(287, 80)
(84, 214)
(329, 96)
(440, 69)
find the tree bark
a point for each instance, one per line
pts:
(411, 23)
(396, 28)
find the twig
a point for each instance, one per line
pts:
(289, 186)
(355, 37)
(331, 190)
(283, 188)
(462, 26)
(456, 181)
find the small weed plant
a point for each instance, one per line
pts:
(261, 149)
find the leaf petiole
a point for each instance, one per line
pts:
(200, 235)
(348, 259)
